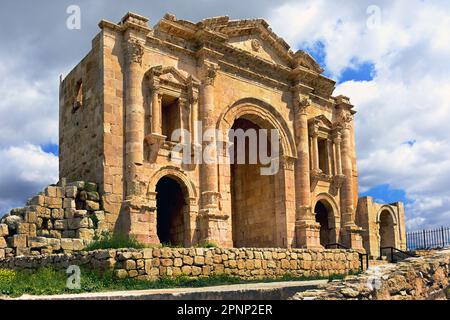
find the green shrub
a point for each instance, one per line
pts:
(108, 240)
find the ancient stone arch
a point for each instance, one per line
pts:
(190, 209)
(263, 114)
(334, 218)
(281, 184)
(387, 230)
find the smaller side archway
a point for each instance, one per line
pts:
(387, 224)
(326, 213)
(175, 199)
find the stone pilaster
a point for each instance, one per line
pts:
(307, 230)
(351, 233)
(215, 227)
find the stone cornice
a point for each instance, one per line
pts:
(208, 40)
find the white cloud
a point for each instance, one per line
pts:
(408, 100)
(25, 170)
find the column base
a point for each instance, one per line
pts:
(215, 228)
(142, 220)
(308, 235)
(352, 237)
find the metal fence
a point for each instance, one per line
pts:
(428, 239)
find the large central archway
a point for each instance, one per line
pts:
(170, 204)
(252, 194)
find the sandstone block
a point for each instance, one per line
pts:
(55, 234)
(57, 213)
(92, 206)
(121, 273)
(3, 230)
(199, 260)
(60, 224)
(53, 202)
(78, 244)
(147, 253)
(178, 262)
(71, 192)
(3, 243)
(188, 260)
(186, 270)
(80, 213)
(67, 244)
(133, 273)
(68, 203)
(85, 234)
(77, 184)
(2, 254)
(38, 200)
(68, 234)
(37, 242)
(130, 264)
(196, 271)
(74, 224)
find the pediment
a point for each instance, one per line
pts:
(256, 46)
(321, 121)
(171, 75)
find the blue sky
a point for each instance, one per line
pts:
(390, 57)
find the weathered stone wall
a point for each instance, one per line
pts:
(63, 218)
(426, 277)
(152, 263)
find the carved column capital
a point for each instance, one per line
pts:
(209, 73)
(301, 104)
(135, 51)
(345, 120)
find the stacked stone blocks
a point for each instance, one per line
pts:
(154, 263)
(63, 218)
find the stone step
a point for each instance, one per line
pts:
(377, 262)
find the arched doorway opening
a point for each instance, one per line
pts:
(252, 194)
(324, 216)
(170, 205)
(387, 230)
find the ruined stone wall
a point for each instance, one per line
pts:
(63, 218)
(150, 264)
(368, 217)
(81, 120)
(426, 277)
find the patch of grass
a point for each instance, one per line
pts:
(48, 281)
(108, 240)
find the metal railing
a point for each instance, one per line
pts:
(362, 256)
(395, 254)
(428, 239)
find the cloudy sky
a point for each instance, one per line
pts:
(391, 57)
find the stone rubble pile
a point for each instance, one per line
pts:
(425, 277)
(63, 218)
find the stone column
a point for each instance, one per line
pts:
(351, 235)
(330, 158)
(347, 169)
(337, 152)
(215, 226)
(314, 132)
(307, 230)
(134, 115)
(156, 110)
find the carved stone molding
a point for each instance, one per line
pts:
(155, 142)
(336, 184)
